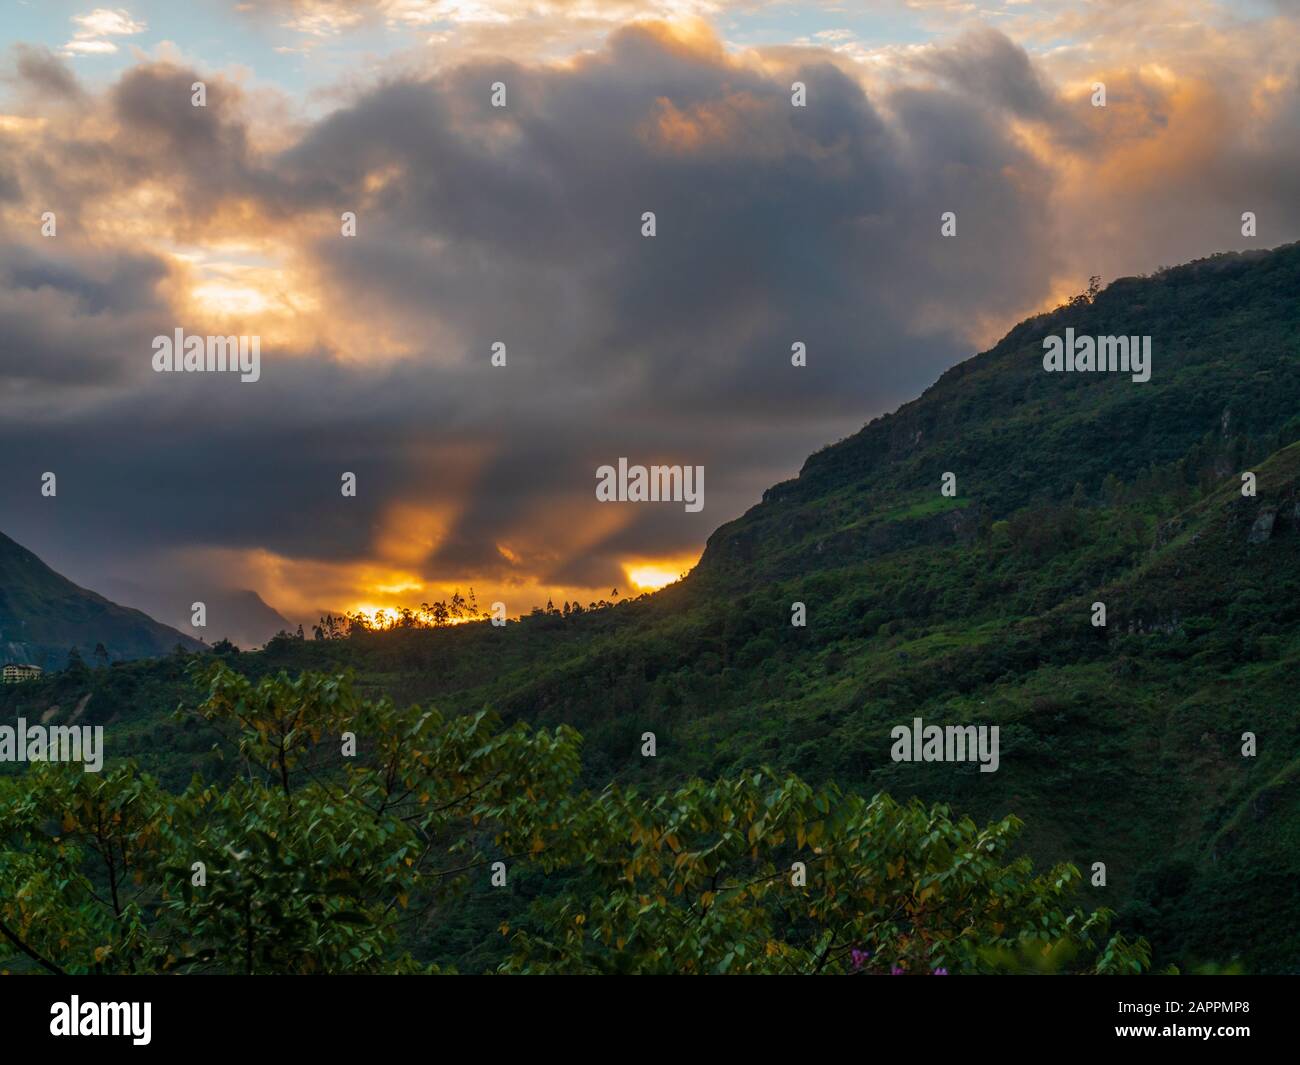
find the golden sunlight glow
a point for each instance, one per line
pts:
(231, 291)
(649, 576)
(382, 616)
(410, 532)
(371, 612)
(20, 124)
(686, 34)
(221, 297)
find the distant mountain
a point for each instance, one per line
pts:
(243, 617)
(239, 615)
(44, 615)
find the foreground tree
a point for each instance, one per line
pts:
(309, 860)
(342, 821)
(767, 875)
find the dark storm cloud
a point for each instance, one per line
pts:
(206, 149)
(775, 224)
(143, 131)
(38, 71)
(75, 322)
(991, 67)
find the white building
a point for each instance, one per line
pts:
(16, 672)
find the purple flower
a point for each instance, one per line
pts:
(941, 971)
(858, 957)
(896, 971)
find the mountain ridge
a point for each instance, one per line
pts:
(43, 615)
(908, 449)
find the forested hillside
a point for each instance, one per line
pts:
(44, 616)
(1121, 744)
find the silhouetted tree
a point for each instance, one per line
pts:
(76, 667)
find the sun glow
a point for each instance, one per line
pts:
(225, 298)
(382, 617)
(651, 575)
(371, 612)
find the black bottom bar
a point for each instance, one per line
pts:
(334, 1014)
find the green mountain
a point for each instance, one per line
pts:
(1123, 747)
(44, 615)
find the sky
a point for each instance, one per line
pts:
(523, 225)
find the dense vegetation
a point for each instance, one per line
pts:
(349, 820)
(1121, 745)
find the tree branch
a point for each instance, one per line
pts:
(42, 962)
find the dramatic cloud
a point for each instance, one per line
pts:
(522, 225)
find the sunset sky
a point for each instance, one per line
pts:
(522, 225)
